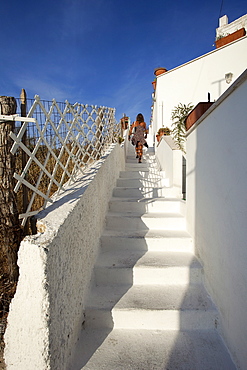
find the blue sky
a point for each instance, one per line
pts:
(103, 52)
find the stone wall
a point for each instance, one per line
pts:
(47, 312)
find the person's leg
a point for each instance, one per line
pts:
(139, 151)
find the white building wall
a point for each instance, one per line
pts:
(193, 81)
(226, 28)
(47, 312)
(217, 209)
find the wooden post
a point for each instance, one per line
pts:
(23, 98)
(10, 230)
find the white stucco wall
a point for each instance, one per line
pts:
(164, 157)
(169, 159)
(193, 81)
(47, 311)
(217, 209)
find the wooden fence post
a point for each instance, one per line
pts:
(23, 98)
(10, 230)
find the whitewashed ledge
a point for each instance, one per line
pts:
(47, 311)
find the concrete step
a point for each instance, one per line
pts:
(141, 174)
(147, 221)
(132, 160)
(132, 167)
(152, 307)
(145, 192)
(146, 166)
(139, 183)
(150, 268)
(121, 349)
(151, 297)
(163, 205)
(137, 166)
(142, 240)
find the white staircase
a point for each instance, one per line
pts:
(148, 308)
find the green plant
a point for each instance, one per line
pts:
(221, 36)
(164, 131)
(120, 140)
(154, 83)
(179, 114)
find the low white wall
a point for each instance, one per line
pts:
(169, 159)
(47, 311)
(217, 209)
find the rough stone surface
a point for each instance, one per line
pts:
(47, 311)
(151, 350)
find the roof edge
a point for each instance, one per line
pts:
(202, 56)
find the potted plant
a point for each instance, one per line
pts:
(159, 71)
(196, 113)
(154, 83)
(226, 39)
(179, 114)
(164, 131)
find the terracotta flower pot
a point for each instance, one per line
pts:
(229, 38)
(196, 113)
(159, 71)
(154, 84)
(164, 132)
(158, 138)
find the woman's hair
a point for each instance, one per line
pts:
(140, 117)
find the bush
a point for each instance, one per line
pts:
(179, 115)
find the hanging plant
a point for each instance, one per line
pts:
(179, 114)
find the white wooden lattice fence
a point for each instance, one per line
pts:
(65, 140)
